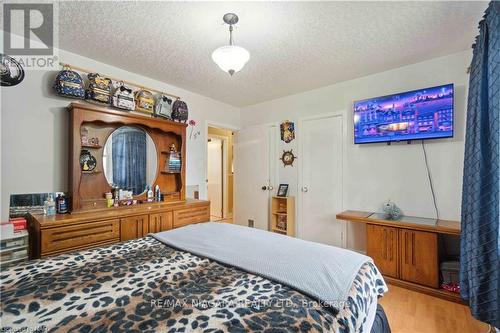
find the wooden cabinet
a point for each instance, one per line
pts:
(407, 250)
(134, 227)
(283, 215)
(160, 222)
(68, 232)
(405, 254)
(382, 246)
(419, 257)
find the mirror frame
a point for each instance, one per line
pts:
(156, 157)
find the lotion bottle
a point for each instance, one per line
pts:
(157, 192)
(51, 205)
(150, 194)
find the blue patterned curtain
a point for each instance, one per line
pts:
(479, 242)
(129, 159)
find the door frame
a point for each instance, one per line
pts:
(300, 179)
(225, 187)
(212, 123)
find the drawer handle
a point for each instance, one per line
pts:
(413, 248)
(385, 244)
(406, 247)
(390, 249)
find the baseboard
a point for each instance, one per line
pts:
(440, 293)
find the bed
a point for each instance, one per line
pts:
(166, 282)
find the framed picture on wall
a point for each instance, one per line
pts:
(282, 190)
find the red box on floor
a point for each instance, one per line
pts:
(19, 224)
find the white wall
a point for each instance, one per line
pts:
(377, 172)
(34, 149)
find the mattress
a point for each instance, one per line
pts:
(144, 285)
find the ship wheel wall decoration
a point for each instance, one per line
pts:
(288, 157)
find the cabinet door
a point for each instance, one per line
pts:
(160, 222)
(166, 221)
(154, 223)
(382, 246)
(133, 227)
(419, 257)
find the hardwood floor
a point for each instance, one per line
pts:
(220, 219)
(413, 312)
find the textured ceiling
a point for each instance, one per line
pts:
(294, 46)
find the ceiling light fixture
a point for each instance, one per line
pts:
(230, 58)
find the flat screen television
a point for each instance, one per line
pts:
(412, 115)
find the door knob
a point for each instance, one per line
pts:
(305, 189)
(264, 188)
(270, 188)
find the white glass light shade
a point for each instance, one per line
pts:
(231, 58)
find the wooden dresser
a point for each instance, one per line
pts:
(70, 232)
(406, 251)
(94, 133)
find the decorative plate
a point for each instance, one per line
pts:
(87, 161)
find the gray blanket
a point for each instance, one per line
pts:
(321, 271)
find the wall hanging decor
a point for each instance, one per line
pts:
(180, 111)
(11, 71)
(163, 106)
(144, 101)
(100, 89)
(192, 133)
(123, 97)
(87, 161)
(287, 129)
(288, 157)
(69, 83)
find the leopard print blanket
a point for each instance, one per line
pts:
(144, 285)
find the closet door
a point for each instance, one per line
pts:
(320, 180)
(254, 174)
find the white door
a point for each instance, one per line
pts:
(321, 180)
(254, 175)
(214, 173)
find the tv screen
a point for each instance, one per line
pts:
(412, 115)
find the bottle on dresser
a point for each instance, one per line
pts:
(49, 206)
(150, 194)
(61, 204)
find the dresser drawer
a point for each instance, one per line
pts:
(79, 236)
(192, 215)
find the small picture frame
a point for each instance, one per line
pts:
(282, 190)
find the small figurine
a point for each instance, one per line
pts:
(391, 211)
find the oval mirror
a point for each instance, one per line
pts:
(129, 159)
